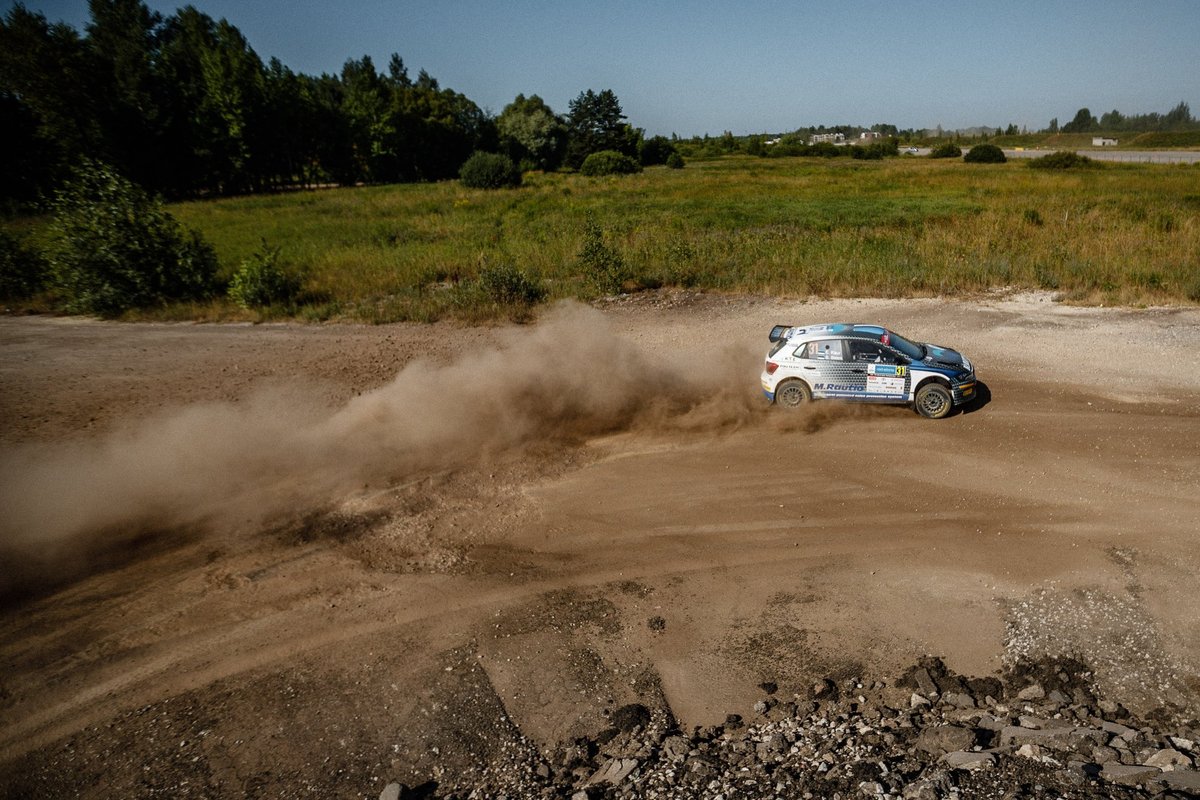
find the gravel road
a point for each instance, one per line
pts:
(274, 559)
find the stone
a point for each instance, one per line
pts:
(1056, 696)
(1103, 754)
(1168, 759)
(870, 788)
(966, 760)
(1183, 780)
(990, 723)
(925, 682)
(1034, 692)
(390, 792)
(1117, 729)
(614, 771)
(1032, 751)
(676, 747)
(923, 789)
(1053, 738)
(916, 701)
(1127, 775)
(1182, 744)
(944, 739)
(958, 699)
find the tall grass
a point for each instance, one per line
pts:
(1123, 234)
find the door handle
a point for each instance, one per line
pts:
(810, 367)
(859, 371)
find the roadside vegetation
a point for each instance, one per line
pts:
(107, 121)
(1113, 234)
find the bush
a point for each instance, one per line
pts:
(262, 280)
(609, 162)
(946, 150)
(489, 171)
(655, 150)
(985, 154)
(22, 271)
(1062, 159)
(506, 285)
(602, 266)
(674, 161)
(113, 247)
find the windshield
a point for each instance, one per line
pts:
(914, 351)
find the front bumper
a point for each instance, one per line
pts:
(965, 390)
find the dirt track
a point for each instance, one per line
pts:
(677, 553)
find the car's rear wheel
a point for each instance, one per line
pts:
(934, 401)
(792, 393)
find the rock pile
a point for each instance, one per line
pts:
(1040, 733)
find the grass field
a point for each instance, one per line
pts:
(1118, 234)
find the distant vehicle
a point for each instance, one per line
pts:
(864, 363)
(914, 150)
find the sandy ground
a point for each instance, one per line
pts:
(307, 561)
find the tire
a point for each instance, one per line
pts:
(934, 401)
(792, 393)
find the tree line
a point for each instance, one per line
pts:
(1178, 118)
(183, 106)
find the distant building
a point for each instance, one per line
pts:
(1103, 141)
(870, 135)
(834, 138)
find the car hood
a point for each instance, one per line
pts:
(944, 357)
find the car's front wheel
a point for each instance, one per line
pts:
(792, 393)
(934, 401)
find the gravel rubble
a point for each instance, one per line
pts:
(1040, 732)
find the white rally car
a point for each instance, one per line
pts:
(865, 363)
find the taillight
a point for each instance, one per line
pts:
(771, 367)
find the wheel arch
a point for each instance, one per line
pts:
(933, 379)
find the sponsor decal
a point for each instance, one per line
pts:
(885, 384)
(835, 387)
(887, 369)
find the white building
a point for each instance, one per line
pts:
(835, 138)
(1103, 141)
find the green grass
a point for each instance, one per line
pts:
(1121, 234)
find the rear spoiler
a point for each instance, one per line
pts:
(780, 332)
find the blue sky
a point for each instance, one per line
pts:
(753, 66)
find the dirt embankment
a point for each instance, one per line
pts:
(261, 558)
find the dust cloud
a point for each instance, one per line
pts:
(235, 466)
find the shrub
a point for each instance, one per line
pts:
(113, 247)
(506, 285)
(985, 154)
(262, 280)
(489, 171)
(22, 271)
(674, 161)
(1033, 217)
(655, 150)
(609, 162)
(603, 267)
(946, 150)
(1062, 159)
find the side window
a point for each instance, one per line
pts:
(870, 352)
(824, 350)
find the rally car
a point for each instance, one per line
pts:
(865, 363)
